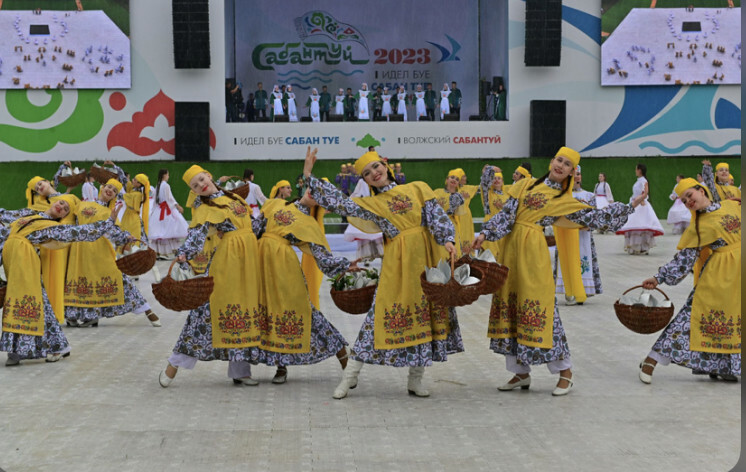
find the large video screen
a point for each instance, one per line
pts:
(65, 44)
(671, 42)
(335, 46)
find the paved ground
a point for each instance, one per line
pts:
(102, 408)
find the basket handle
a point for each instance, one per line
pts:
(171, 267)
(453, 262)
(640, 286)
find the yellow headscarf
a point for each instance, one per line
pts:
(367, 158)
(523, 171)
(145, 182)
(192, 172)
(114, 183)
(276, 188)
(454, 173)
(30, 186)
(686, 184)
(499, 174)
(459, 172)
(73, 202)
(571, 154)
(721, 165)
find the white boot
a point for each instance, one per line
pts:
(349, 379)
(414, 383)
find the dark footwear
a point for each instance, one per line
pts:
(92, 323)
(12, 361)
(281, 376)
(56, 357)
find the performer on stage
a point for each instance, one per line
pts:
(339, 104)
(260, 101)
(402, 100)
(291, 104)
(643, 226)
(349, 105)
(386, 105)
(278, 102)
(431, 98)
(363, 113)
(420, 108)
(313, 105)
(445, 107)
(325, 103)
(455, 100)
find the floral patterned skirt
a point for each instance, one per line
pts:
(421, 355)
(25, 346)
(133, 302)
(528, 355)
(673, 343)
(196, 341)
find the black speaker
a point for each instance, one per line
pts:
(547, 131)
(336, 118)
(475, 117)
(396, 117)
(305, 119)
(192, 131)
(379, 118)
(424, 118)
(450, 117)
(543, 33)
(191, 28)
(282, 119)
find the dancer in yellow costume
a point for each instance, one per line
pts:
(314, 276)
(94, 286)
(524, 322)
(494, 196)
(452, 202)
(200, 260)
(136, 217)
(719, 185)
(281, 190)
(40, 194)
(466, 221)
(229, 323)
(297, 333)
(402, 329)
(705, 335)
(30, 329)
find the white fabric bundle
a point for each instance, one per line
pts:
(485, 256)
(360, 279)
(645, 298)
(69, 172)
(442, 274)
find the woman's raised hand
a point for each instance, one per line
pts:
(477, 243)
(115, 211)
(650, 283)
(310, 161)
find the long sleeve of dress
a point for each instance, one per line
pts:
(58, 174)
(678, 268)
(333, 200)
(329, 264)
(168, 197)
(4, 233)
(259, 225)
(118, 236)
(120, 174)
(609, 195)
(72, 233)
(454, 203)
(194, 241)
(709, 180)
(438, 223)
(501, 223)
(612, 217)
(488, 176)
(9, 216)
(258, 194)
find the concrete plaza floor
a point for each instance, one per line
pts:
(102, 408)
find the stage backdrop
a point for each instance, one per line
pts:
(343, 44)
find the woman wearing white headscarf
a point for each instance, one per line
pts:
(420, 107)
(292, 108)
(445, 107)
(386, 109)
(277, 108)
(362, 103)
(339, 103)
(313, 104)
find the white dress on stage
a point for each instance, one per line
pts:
(292, 108)
(401, 107)
(339, 105)
(277, 103)
(642, 226)
(362, 106)
(386, 108)
(369, 245)
(420, 104)
(445, 106)
(679, 215)
(167, 226)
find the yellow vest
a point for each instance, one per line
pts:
(93, 278)
(716, 306)
(403, 316)
(523, 308)
(23, 311)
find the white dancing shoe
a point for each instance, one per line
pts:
(646, 378)
(56, 357)
(246, 381)
(164, 379)
(281, 376)
(154, 320)
(523, 383)
(349, 379)
(559, 392)
(414, 382)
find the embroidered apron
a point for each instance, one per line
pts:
(93, 278)
(234, 303)
(523, 308)
(716, 307)
(403, 316)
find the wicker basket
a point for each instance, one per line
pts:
(495, 274)
(643, 319)
(242, 191)
(551, 241)
(453, 293)
(356, 301)
(137, 263)
(102, 175)
(71, 181)
(185, 294)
